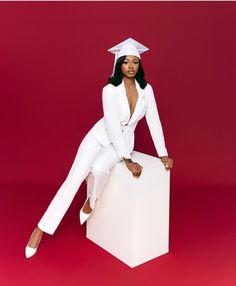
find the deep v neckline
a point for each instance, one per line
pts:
(131, 115)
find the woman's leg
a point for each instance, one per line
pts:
(86, 154)
(99, 172)
(91, 156)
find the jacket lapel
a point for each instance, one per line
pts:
(140, 103)
(124, 100)
(125, 104)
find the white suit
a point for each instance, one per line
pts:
(117, 127)
(109, 140)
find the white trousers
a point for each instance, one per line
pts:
(92, 160)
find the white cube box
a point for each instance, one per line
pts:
(131, 216)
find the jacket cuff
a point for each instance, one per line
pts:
(163, 153)
(123, 155)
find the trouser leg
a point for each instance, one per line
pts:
(99, 172)
(86, 154)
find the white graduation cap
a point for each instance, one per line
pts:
(129, 47)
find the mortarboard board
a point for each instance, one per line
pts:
(129, 47)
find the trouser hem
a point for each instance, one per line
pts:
(45, 230)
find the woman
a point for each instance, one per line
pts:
(126, 99)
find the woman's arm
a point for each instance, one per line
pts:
(154, 124)
(155, 127)
(112, 122)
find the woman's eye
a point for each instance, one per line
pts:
(135, 63)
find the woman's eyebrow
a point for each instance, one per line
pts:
(131, 60)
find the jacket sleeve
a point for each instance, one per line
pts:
(112, 122)
(154, 124)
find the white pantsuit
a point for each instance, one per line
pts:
(109, 140)
(91, 159)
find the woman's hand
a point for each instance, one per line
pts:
(168, 162)
(134, 167)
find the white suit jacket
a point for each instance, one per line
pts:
(117, 127)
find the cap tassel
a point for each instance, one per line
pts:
(116, 56)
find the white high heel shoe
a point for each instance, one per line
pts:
(84, 216)
(30, 251)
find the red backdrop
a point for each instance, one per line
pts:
(54, 64)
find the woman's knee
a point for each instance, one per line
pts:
(99, 170)
(106, 160)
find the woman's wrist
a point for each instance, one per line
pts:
(127, 160)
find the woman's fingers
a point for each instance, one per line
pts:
(137, 170)
(168, 162)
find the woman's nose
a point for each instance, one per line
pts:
(131, 66)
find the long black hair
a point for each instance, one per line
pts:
(116, 79)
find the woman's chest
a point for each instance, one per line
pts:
(132, 98)
(131, 106)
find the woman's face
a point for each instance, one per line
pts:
(130, 66)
